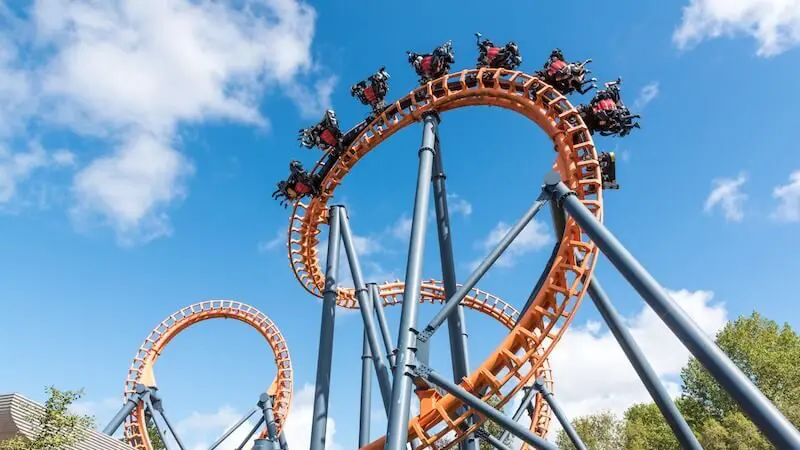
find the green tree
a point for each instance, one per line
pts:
(734, 432)
(768, 354)
(645, 428)
(56, 427)
(601, 431)
(155, 437)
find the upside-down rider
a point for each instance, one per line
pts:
(494, 57)
(325, 135)
(299, 184)
(430, 66)
(607, 114)
(372, 91)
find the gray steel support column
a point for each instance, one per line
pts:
(282, 441)
(381, 368)
(149, 406)
(526, 400)
(233, 428)
(262, 444)
(402, 387)
(562, 418)
(172, 430)
(383, 325)
(456, 323)
(760, 410)
(484, 408)
(269, 418)
(639, 362)
(482, 433)
(134, 399)
(366, 388)
(251, 433)
(319, 421)
(454, 301)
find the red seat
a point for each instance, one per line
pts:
(426, 64)
(556, 67)
(302, 188)
(369, 93)
(492, 53)
(328, 138)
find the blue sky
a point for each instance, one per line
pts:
(139, 146)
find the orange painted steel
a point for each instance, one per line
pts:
(141, 370)
(524, 351)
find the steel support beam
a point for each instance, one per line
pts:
(133, 400)
(761, 411)
(251, 433)
(639, 362)
(526, 400)
(383, 325)
(366, 387)
(379, 360)
(319, 422)
(456, 323)
(483, 434)
(484, 408)
(238, 424)
(265, 402)
(402, 387)
(148, 404)
(158, 405)
(562, 418)
(454, 301)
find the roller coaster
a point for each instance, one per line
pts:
(454, 412)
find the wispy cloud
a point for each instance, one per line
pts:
(648, 93)
(788, 196)
(726, 194)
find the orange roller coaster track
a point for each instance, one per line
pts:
(141, 370)
(532, 337)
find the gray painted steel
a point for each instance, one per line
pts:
(397, 427)
(366, 386)
(454, 301)
(639, 362)
(383, 325)
(319, 421)
(760, 410)
(484, 408)
(379, 360)
(456, 323)
(562, 418)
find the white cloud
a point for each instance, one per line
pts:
(102, 410)
(458, 205)
(727, 194)
(402, 228)
(589, 349)
(131, 74)
(788, 196)
(17, 167)
(199, 430)
(533, 237)
(280, 238)
(131, 188)
(298, 426)
(775, 24)
(646, 95)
